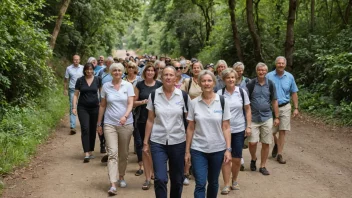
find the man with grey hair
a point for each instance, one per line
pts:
(159, 66)
(262, 95)
(220, 66)
(73, 72)
(185, 68)
(286, 88)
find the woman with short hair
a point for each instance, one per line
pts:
(116, 105)
(241, 81)
(240, 109)
(208, 143)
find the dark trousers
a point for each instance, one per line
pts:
(88, 118)
(206, 166)
(138, 135)
(175, 154)
(102, 137)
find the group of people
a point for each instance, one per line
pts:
(193, 118)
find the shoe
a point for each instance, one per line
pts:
(253, 166)
(86, 159)
(139, 172)
(102, 149)
(225, 190)
(72, 131)
(264, 171)
(274, 152)
(186, 181)
(122, 183)
(91, 157)
(146, 185)
(280, 159)
(112, 191)
(104, 159)
(235, 186)
(242, 167)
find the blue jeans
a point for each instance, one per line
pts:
(176, 156)
(72, 117)
(206, 166)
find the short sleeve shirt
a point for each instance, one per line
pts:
(285, 85)
(208, 136)
(88, 95)
(73, 73)
(168, 124)
(194, 91)
(105, 76)
(117, 101)
(144, 92)
(237, 121)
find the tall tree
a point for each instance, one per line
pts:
(206, 7)
(289, 44)
(348, 11)
(60, 17)
(236, 38)
(312, 15)
(254, 34)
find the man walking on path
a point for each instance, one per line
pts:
(285, 88)
(262, 95)
(73, 72)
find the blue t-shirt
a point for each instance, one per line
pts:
(285, 85)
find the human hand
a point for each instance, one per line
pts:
(65, 92)
(295, 113)
(276, 122)
(100, 130)
(188, 158)
(74, 111)
(146, 148)
(227, 156)
(248, 132)
(123, 120)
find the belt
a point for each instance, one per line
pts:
(284, 104)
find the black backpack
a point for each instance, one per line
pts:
(251, 84)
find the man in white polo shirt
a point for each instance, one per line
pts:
(73, 72)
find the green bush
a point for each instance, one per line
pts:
(22, 129)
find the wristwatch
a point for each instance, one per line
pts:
(99, 125)
(229, 149)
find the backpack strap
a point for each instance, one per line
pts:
(223, 91)
(185, 99)
(152, 95)
(271, 88)
(222, 102)
(246, 80)
(250, 87)
(189, 84)
(242, 96)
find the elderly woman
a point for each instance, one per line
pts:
(159, 66)
(97, 67)
(166, 130)
(179, 78)
(104, 74)
(191, 85)
(116, 106)
(208, 136)
(219, 67)
(87, 88)
(241, 81)
(142, 91)
(240, 109)
(132, 71)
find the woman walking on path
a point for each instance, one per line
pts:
(142, 91)
(166, 130)
(116, 105)
(240, 109)
(208, 143)
(87, 88)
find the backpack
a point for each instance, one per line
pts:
(251, 84)
(185, 100)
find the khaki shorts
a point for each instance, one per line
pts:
(285, 119)
(262, 131)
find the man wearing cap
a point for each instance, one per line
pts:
(286, 88)
(210, 67)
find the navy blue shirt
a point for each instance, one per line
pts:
(260, 101)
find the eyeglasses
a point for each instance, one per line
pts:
(179, 68)
(161, 69)
(101, 60)
(130, 67)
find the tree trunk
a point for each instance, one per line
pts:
(256, 39)
(289, 44)
(60, 17)
(348, 11)
(235, 34)
(312, 15)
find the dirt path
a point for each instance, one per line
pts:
(319, 165)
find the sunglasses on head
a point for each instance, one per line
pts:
(179, 68)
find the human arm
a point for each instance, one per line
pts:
(148, 131)
(102, 108)
(248, 111)
(275, 105)
(65, 86)
(136, 102)
(295, 103)
(227, 135)
(123, 119)
(189, 137)
(74, 102)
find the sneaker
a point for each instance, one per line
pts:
(72, 131)
(104, 159)
(253, 165)
(274, 152)
(112, 191)
(264, 171)
(91, 157)
(146, 185)
(242, 167)
(235, 186)
(225, 190)
(102, 149)
(139, 172)
(186, 181)
(280, 159)
(122, 183)
(86, 159)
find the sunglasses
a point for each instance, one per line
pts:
(179, 68)
(130, 67)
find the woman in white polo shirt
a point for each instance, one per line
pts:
(166, 131)
(208, 143)
(238, 101)
(116, 105)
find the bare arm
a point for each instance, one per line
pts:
(148, 131)
(295, 103)
(123, 119)
(74, 102)
(102, 108)
(227, 134)
(275, 105)
(189, 137)
(248, 111)
(137, 102)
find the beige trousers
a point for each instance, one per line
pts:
(117, 141)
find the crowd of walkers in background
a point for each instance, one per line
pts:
(194, 118)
